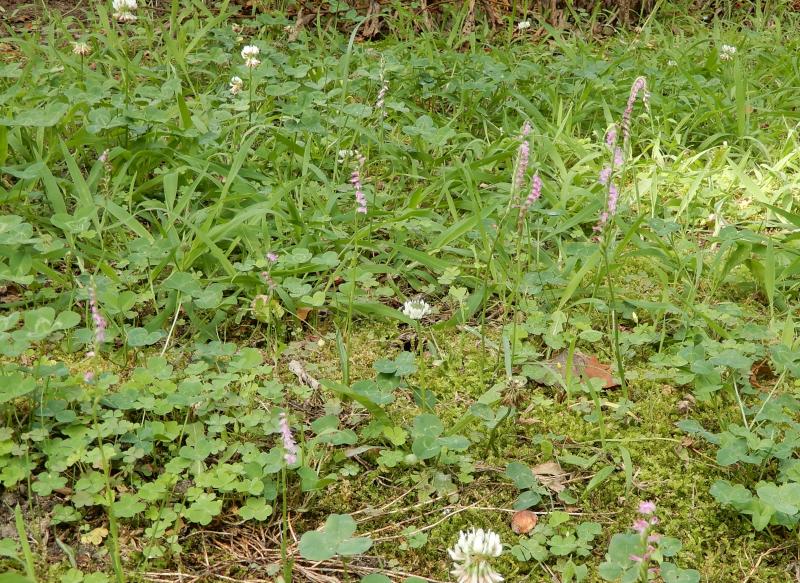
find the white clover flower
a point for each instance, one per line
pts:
(523, 24)
(124, 10)
(416, 309)
(471, 556)
(250, 55)
(727, 52)
(81, 49)
(236, 85)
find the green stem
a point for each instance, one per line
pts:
(614, 327)
(250, 106)
(287, 566)
(30, 565)
(109, 495)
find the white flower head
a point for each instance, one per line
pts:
(236, 85)
(81, 48)
(672, 63)
(727, 52)
(124, 10)
(523, 24)
(471, 556)
(416, 309)
(250, 55)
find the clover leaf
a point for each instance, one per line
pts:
(335, 538)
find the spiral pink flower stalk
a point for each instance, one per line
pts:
(533, 196)
(642, 526)
(361, 199)
(605, 175)
(611, 136)
(619, 157)
(640, 84)
(97, 318)
(523, 154)
(379, 102)
(613, 198)
(289, 444)
(355, 180)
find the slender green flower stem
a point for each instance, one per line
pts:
(287, 565)
(116, 558)
(250, 105)
(614, 327)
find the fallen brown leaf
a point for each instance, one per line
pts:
(761, 374)
(584, 366)
(551, 475)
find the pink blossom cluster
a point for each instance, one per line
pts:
(643, 526)
(533, 195)
(523, 155)
(97, 318)
(639, 85)
(289, 444)
(355, 180)
(617, 153)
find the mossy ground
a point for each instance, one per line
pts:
(667, 467)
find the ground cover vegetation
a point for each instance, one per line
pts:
(280, 303)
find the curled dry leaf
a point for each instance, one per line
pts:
(523, 521)
(685, 405)
(299, 371)
(761, 375)
(584, 366)
(551, 475)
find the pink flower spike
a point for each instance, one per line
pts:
(640, 84)
(97, 318)
(272, 257)
(613, 197)
(647, 507)
(289, 444)
(522, 163)
(619, 157)
(605, 175)
(533, 196)
(654, 538)
(611, 136)
(88, 377)
(640, 525)
(526, 129)
(355, 180)
(636, 558)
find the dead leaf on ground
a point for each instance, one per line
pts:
(584, 366)
(551, 475)
(761, 374)
(95, 537)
